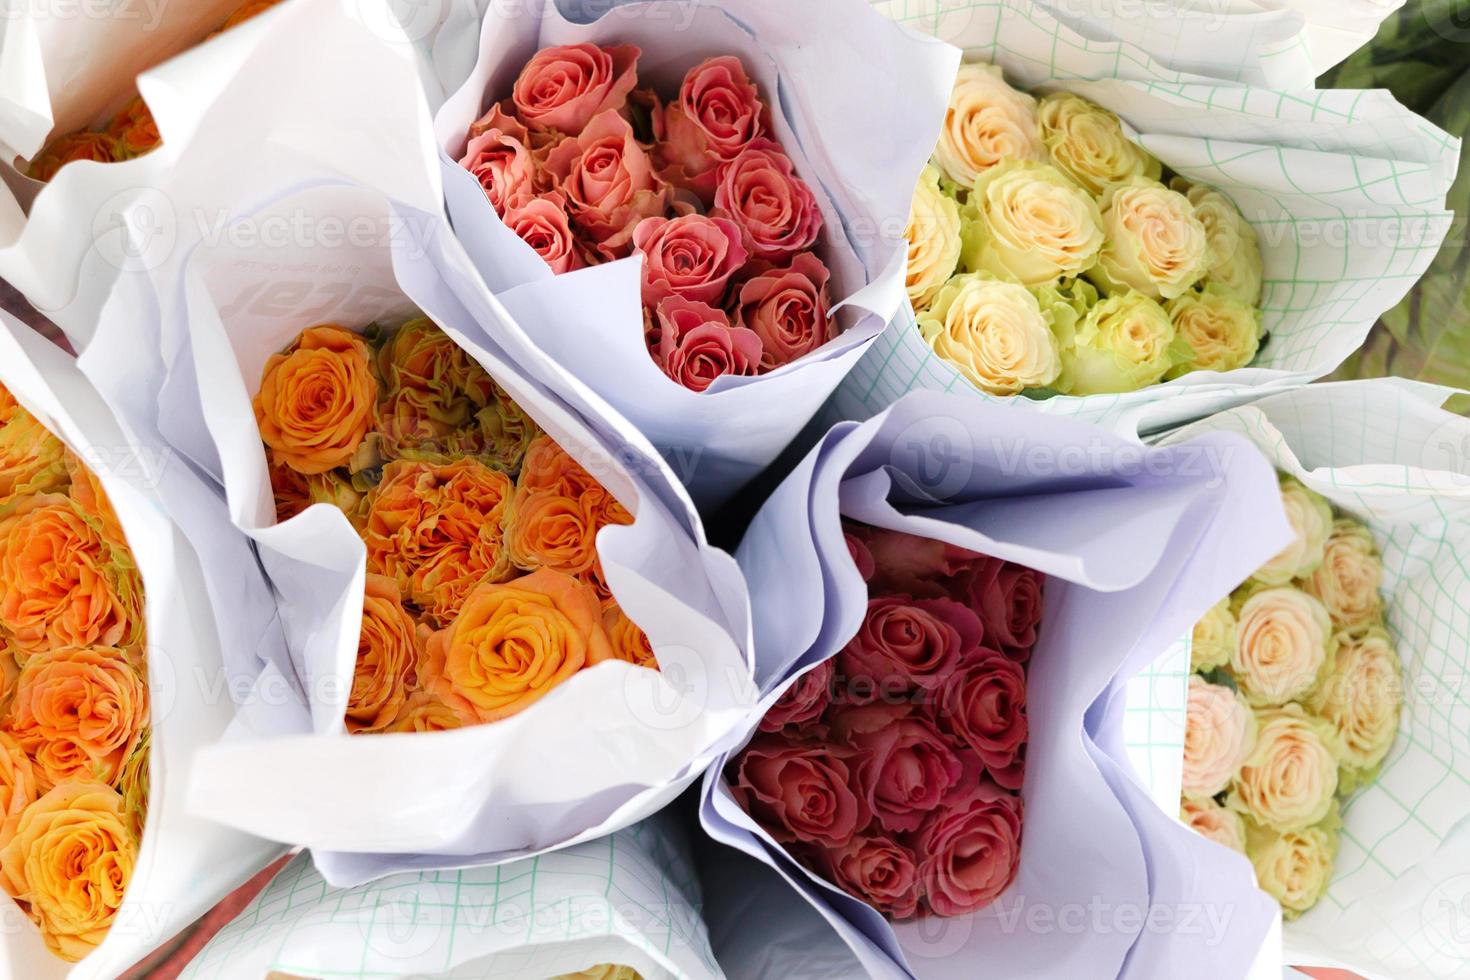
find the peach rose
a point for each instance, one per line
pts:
(1311, 518)
(775, 209)
(32, 460)
(316, 400)
(87, 493)
(1294, 867)
(512, 643)
(629, 643)
(86, 145)
(549, 468)
(133, 783)
(1219, 733)
(1027, 221)
(1087, 142)
(135, 129)
(388, 652)
(563, 88)
(1349, 577)
(1213, 640)
(719, 113)
(18, 785)
(78, 713)
(437, 531)
(541, 222)
(61, 584)
(499, 156)
(787, 308)
(69, 861)
(1361, 700)
(545, 530)
(690, 256)
(1156, 244)
(609, 184)
(1283, 641)
(994, 333)
(697, 344)
(1209, 819)
(987, 121)
(423, 712)
(1289, 780)
(933, 236)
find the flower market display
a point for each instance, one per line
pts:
(586, 167)
(484, 588)
(1049, 253)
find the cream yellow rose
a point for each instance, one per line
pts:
(1361, 700)
(1219, 732)
(1294, 867)
(1027, 221)
(933, 235)
(1213, 641)
(603, 971)
(1156, 244)
(1209, 819)
(1088, 144)
(1289, 780)
(1282, 644)
(994, 333)
(1235, 253)
(69, 860)
(1222, 333)
(1349, 577)
(1125, 342)
(1310, 516)
(987, 122)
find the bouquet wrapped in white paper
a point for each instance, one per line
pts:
(131, 819)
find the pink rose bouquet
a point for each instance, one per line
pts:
(894, 769)
(586, 168)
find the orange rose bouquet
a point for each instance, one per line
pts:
(83, 827)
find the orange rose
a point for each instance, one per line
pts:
(18, 788)
(246, 11)
(133, 783)
(433, 395)
(547, 530)
(91, 500)
(135, 129)
(425, 713)
(387, 659)
(507, 431)
(316, 400)
(61, 584)
(69, 861)
(85, 145)
(32, 460)
(513, 643)
(628, 641)
(9, 673)
(436, 530)
(294, 492)
(548, 468)
(78, 713)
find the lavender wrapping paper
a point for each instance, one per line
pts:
(1136, 545)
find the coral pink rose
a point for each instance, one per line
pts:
(915, 565)
(905, 643)
(901, 762)
(788, 309)
(608, 182)
(862, 557)
(541, 222)
(984, 708)
(690, 256)
(566, 87)
(803, 702)
(880, 871)
(971, 848)
(799, 792)
(499, 156)
(718, 114)
(760, 192)
(696, 344)
(1008, 598)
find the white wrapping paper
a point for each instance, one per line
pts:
(1135, 547)
(831, 70)
(184, 864)
(1346, 191)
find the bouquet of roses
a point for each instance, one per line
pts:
(916, 731)
(1294, 701)
(922, 690)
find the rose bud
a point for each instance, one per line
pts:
(878, 870)
(1289, 781)
(901, 762)
(1008, 598)
(802, 703)
(608, 182)
(799, 792)
(498, 154)
(541, 223)
(690, 256)
(916, 565)
(565, 87)
(906, 643)
(788, 309)
(698, 345)
(719, 113)
(776, 210)
(1219, 732)
(984, 708)
(972, 848)
(987, 122)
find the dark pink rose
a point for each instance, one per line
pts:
(788, 308)
(564, 88)
(760, 192)
(542, 224)
(803, 702)
(905, 644)
(878, 870)
(1008, 598)
(499, 155)
(690, 256)
(696, 344)
(799, 792)
(916, 565)
(861, 556)
(719, 113)
(901, 762)
(608, 182)
(983, 707)
(971, 847)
